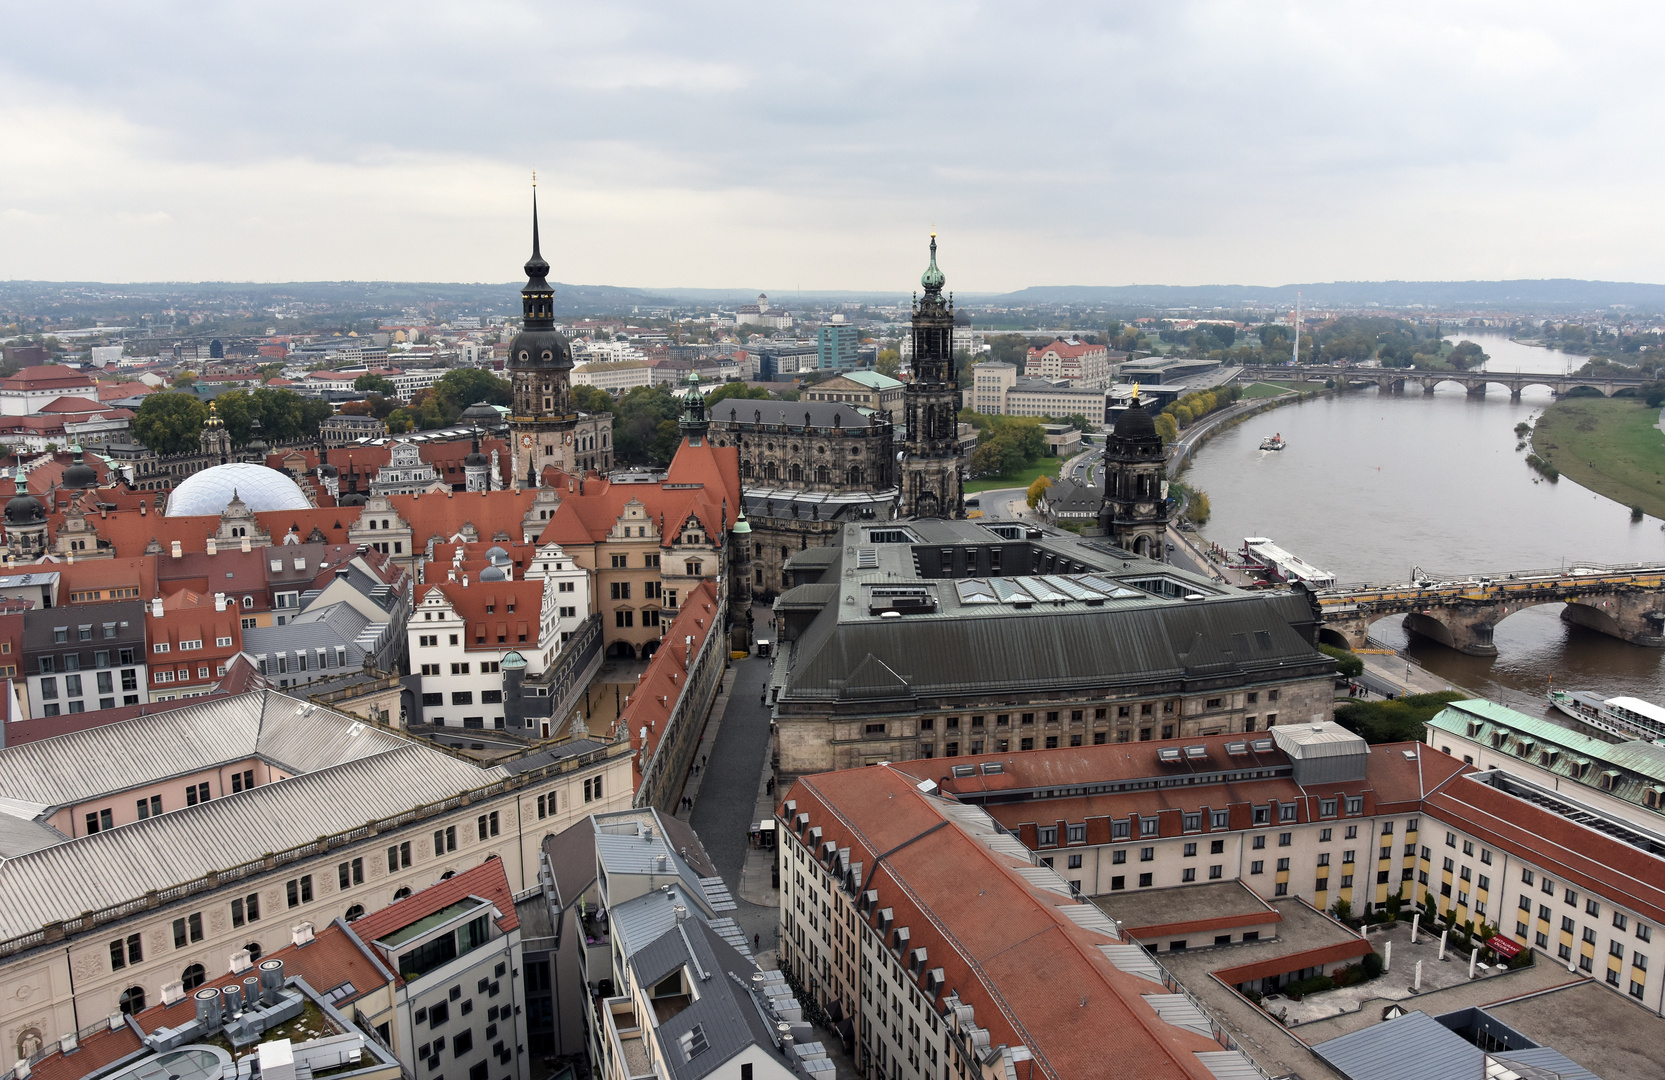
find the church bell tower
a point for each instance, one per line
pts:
(931, 463)
(542, 417)
(1135, 513)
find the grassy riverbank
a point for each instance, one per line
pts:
(1609, 445)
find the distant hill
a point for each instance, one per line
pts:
(486, 297)
(1559, 293)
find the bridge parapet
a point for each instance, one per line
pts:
(1626, 601)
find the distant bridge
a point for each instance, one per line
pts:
(1626, 602)
(1475, 382)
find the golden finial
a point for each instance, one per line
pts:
(534, 178)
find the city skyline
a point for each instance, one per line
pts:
(1092, 145)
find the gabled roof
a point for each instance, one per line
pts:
(487, 881)
(992, 920)
(45, 377)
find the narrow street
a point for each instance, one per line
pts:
(727, 795)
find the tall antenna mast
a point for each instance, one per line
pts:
(1297, 356)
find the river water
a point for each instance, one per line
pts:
(1374, 483)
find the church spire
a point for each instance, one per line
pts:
(537, 299)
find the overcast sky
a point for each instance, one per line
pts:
(814, 145)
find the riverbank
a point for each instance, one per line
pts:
(1612, 446)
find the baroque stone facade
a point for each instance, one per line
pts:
(807, 466)
(806, 445)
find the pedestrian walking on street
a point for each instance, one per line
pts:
(757, 941)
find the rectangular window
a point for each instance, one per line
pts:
(299, 890)
(487, 824)
(196, 793)
(1257, 867)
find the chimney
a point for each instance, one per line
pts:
(300, 934)
(208, 1008)
(156, 607)
(213, 546)
(246, 545)
(465, 581)
(241, 961)
(219, 601)
(177, 551)
(271, 980)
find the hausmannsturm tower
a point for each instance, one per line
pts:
(931, 460)
(546, 429)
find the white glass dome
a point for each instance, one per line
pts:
(210, 491)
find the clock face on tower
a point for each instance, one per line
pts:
(526, 441)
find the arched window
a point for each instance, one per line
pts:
(403, 892)
(355, 912)
(255, 950)
(192, 976)
(133, 1000)
(855, 474)
(797, 473)
(448, 875)
(822, 475)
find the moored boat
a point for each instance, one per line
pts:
(1626, 717)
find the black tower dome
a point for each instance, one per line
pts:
(538, 344)
(1135, 423)
(24, 509)
(80, 476)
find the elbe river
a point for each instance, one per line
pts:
(1374, 483)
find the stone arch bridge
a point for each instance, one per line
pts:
(1626, 602)
(1397, 380)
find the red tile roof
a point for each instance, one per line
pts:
(1032, 975)
(649, 706)
(487, 881)
(498, 626)
(45, 377)
(329, 960)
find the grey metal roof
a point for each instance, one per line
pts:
(1554, 1064)
(791, 413)
(1413, 1045)
(93, 873)
(292, 734)
(1047, 646)
(728, 1018)
(19, 835)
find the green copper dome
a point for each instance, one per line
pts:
(742, 527)
(932, 278)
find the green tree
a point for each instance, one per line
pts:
(1008, 349)
(185, 380)
(170, 423)
(1037, 491)
(888, 362)
(1167, 427)
(1347, 663)
(399, 422)
(592, 399)
(736, 389)
(462, 387)
(1079, 422)
(374, 383)
(645, 431)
